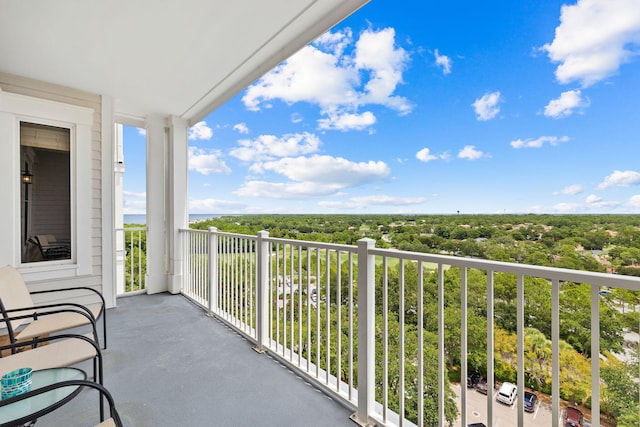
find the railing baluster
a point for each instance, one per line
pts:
(520, 348)
(420, 326)
(490, 346)
(555, 352)
(327, 306)
(464, 342)
(442, 369)
(385, 339)
(595, 352)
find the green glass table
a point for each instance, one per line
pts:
(24, 409)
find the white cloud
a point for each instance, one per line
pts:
(134, 203)
(269, 147)
(328, 169)
(338, 76)
(215, 205)
(364, 202)
(539, 142)
(241, 127)
(592, 198)
(425, 155)
(135, 195)
(595, 202)
(296, 118)
(443, 61)
(207, 162)
(570, 190)
(313, 176)
(620, 179)
(565, 207)
(200, 131)
(347, 121)
(285, 190)
(634, 202)
(486, 107)
(142, 131)
(594, 38)
(382, 200)
(565, 105)
(469, 152)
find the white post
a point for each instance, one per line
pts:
(118, 209)
(177, 208)
(156, 279)
(213, 271)
(262, 310)
(366, 334)
(109, 216)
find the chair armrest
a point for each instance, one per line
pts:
(79, 288)
(47, 309)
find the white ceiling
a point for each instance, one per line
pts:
(182, 58)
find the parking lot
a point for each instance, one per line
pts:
(503, 415)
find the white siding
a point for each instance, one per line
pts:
(53, 277)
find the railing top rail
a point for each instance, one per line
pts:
(551, 273)
(132, 229)
(322, 245)
(192, 230)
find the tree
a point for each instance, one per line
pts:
(621, 394)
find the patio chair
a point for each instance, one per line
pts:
(19, 304)
(50, 248)
(60, 350)
(114, 419)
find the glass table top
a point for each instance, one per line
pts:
(23, 408)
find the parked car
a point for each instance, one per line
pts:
(573, 418)
(476, 425)
(481, 387)
(530, 401)
(507, 393)
(472, 379)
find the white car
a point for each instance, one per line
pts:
(507, 393)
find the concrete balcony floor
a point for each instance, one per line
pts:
(170, 365)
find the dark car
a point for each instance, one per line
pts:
(476, 425)
(573, 418)
(472, 379)
(481, 387)
(530, 401)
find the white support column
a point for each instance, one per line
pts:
(118, 208)
(366, 334)
(178, 198)
(213, 271)
(262, 297)
(108, 197)
(156, 279)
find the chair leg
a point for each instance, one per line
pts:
(104, 327)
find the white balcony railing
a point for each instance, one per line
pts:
(324, 309)
(131, 244)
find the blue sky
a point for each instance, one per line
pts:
(477, 107)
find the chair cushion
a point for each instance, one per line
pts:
(58, 354)
(57, 322)
(14, 293)
(107, 423)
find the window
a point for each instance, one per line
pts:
(52, 145)
(45, 159)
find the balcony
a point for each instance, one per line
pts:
(323, 317)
